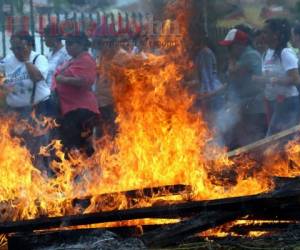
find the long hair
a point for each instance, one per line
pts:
(282, 28)
(296, 29)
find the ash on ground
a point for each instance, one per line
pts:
(106, 241)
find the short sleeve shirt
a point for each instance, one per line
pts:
(55, 60)
(17, 78)
(278, 67)
(243, 90)
(78, 97)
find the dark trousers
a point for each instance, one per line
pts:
(107, 125)
(76, 129)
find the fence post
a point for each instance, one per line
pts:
(205, 15)
(82, 17)
(2, 19)
(32, 19)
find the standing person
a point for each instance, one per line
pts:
(27, 91)
(58, 54)
(210, 98)
(280, 68)
(73, 83)
(258, 42)
(106, 47)
(245, 96)
(295, 36)
(295, 41)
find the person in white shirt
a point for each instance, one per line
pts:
(58, 54)
(25, 72)
(280, 75)
(26, 88)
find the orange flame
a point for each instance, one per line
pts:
(161, 141)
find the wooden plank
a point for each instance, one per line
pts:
(271, 227)
(264, 142)
(174, 234)
(132, 196)
(262, 202)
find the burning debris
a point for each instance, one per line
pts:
(164, 151)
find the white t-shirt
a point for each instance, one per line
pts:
(18, 79)
(55, 60)
(274, 67)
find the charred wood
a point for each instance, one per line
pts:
(287, 196)
(270, 227)
(132, 196)
(282, 136)
(175, 234)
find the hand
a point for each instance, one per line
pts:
(2, 78)
(59, 78)
(25, 54)
(6, 89)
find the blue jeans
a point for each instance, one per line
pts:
(285, 114)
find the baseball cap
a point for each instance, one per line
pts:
(234, 36)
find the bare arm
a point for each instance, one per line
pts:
(34, 73)
(74, 81)
(292, 78)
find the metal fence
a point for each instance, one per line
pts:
(126, 22)
(86, 22)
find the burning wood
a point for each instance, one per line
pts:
(264, 226)
(277, 200)
(261, 144)
(171, 235)
(161, 142)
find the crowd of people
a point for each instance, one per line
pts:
(58, 86)
(258, 97)
(260, 94)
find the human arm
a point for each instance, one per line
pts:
(291, 78)
(69, 80)
(36, 69)
(289, 62)
(33, 72)
(78, 73)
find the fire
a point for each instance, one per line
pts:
(161, 141)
